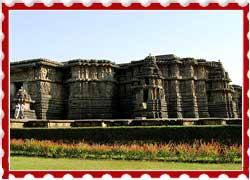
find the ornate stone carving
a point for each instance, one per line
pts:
(167, 85)
(45, 88)
(44, 73)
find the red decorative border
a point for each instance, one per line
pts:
(119, 6)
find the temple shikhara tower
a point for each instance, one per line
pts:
(164, 86)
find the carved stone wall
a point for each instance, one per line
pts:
(189, 99)
(164, 86)
(126, 92)
(51, 93)
(200, 75)
(170, 70)
(92, 90)
(42, 79)
(25, 77)
(220, 94)
(141, 87)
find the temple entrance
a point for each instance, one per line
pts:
(17, 86)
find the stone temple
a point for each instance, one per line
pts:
(164, 86)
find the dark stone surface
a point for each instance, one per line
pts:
(163, 86)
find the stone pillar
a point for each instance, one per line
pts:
(233, 113)
(163, 104)
(82, 72)
(189, 100)
(86, 70)
(201, 95)
(94, 72)
(201, 91)
(173, 92)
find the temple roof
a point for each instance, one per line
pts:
(33, 62)
(167, 58)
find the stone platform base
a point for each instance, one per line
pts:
(14, 123)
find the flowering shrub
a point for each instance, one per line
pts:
(198, 151)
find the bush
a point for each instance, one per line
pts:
(197, 152)
(160, 134)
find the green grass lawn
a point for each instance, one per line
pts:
(37, 163)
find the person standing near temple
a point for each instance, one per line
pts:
(17, 110)
(22, 111)
(21, 98)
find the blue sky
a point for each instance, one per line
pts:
(122, 36)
